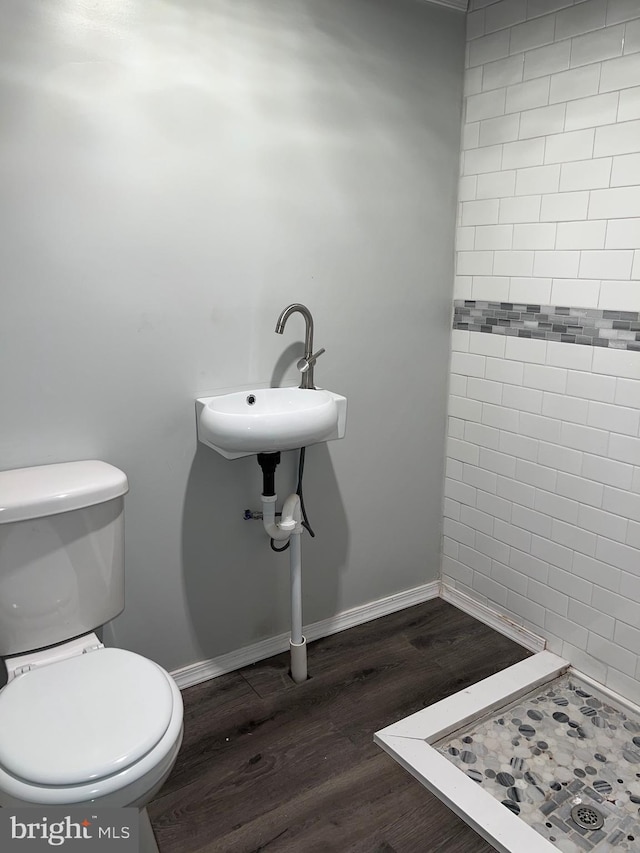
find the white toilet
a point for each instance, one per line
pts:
(79, 723)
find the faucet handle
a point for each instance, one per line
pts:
(305, 363)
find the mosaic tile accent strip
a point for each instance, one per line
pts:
(560, 746)
(588, 326)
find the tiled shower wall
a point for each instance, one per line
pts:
(542, 506)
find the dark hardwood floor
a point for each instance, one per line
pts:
(270, 765)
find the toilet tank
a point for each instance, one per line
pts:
(61, 552)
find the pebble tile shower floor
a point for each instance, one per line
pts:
(561, 745)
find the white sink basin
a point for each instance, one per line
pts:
(263, 420)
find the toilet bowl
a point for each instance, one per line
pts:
(107, 733)
(79, 723)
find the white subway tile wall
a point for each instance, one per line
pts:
(542, 510)
(552, 136)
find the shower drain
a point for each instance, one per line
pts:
(586, 817)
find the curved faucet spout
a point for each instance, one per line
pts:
(308, 319)
(307, 376)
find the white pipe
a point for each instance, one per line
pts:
(297, 643)
(298, 661)
(296, 589)
(290, 519)
(269, 519)
(290, 527)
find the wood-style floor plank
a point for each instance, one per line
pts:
(268, 765)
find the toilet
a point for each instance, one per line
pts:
(79, 723)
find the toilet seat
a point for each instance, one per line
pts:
(103, 712)
(108, 718)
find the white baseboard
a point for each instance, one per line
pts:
(492, 617)
(196, 673)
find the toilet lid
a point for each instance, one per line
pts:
(83, 718)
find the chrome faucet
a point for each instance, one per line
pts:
(306, 363)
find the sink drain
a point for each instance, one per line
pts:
(586, 817)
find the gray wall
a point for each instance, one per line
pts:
(173, 174)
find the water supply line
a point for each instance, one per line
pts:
(288, 528)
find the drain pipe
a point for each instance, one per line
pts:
(289, 527)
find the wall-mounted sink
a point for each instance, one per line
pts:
(262, 420)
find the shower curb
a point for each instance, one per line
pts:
(409, 741)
